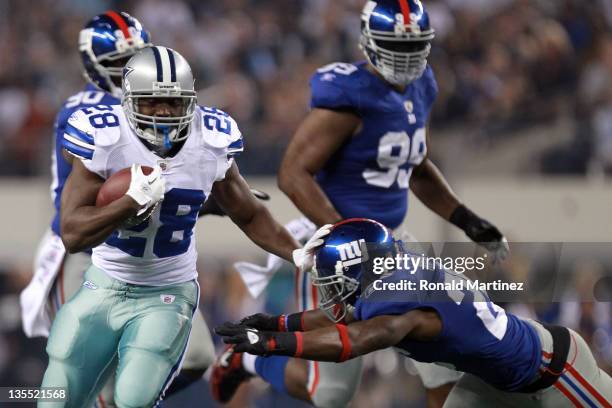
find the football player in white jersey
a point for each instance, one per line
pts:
(106, 43)
(140, 294)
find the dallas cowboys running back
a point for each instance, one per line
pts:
(508, 362)
(139, 296)
(106, 43)
(363, 144)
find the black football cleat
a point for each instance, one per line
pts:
(227, 375)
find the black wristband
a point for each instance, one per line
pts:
(463, 217)
(294, 322)
(284, 344)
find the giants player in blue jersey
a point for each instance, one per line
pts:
(363, 144)
(105, 44)
(509, 362)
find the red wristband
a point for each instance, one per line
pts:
(346, 342)
(282, 323)
(299, 344)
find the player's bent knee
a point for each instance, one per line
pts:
(141, 377)
(135, 394)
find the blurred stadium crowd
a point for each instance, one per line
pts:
(502, 66)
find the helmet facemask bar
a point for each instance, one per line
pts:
(397, 67)
(160, 131)
(335, 292)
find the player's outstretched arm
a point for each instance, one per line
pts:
(319, 136)
(302, 321)
(236, 200)
(334, 343)
(84, 225)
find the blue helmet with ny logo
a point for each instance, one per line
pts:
(338, 263)
(395, 38)
(106, 43)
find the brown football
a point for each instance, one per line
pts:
(116, 186)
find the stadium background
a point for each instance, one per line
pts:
(522, 128)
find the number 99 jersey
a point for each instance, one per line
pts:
(369, 175)
(161, 250)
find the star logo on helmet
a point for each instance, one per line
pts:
(127, 71)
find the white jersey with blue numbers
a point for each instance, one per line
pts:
(60, 168)
(369, 175)
(161, 250)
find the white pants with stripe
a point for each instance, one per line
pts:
(57, 276)
(582, 384)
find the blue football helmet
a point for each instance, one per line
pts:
(106, 43)
(338, 263)
(396, 38)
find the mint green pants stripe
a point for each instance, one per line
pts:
(146, 328)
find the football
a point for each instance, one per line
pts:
(116, 186)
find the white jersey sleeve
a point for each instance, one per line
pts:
(90, 135)
(222, 137)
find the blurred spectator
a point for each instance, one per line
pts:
(502, 65)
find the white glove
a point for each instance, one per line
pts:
(303, 258)
(146, 190)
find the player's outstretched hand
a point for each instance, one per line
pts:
(262, 343)
(303, 258)
(261, 321)
(244, 339)
(146, 190)
(482, 232)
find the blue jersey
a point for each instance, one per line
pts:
(369, 175)
(60, 168)
(477, 337)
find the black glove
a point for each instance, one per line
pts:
(282, 323)
(481, 231)
(262, 321)
(253, 341)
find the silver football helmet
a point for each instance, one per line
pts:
(158, 72)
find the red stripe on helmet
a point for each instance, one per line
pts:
(405, 11)
(120, 21)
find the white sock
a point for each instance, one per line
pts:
(248, 362)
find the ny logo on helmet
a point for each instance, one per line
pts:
(350, 253)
